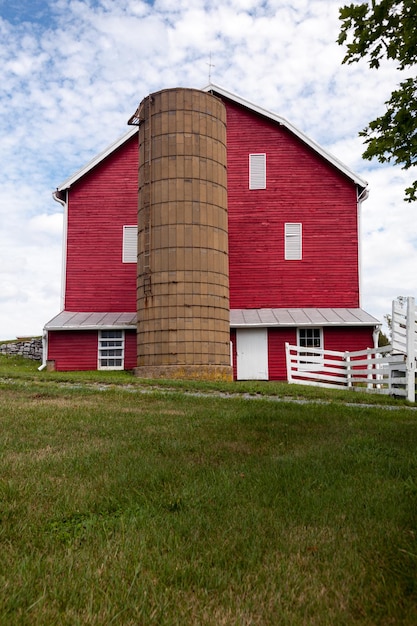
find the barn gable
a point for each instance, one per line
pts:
(281, 121)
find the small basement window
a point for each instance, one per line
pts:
(257, 171)
(111, 348)
(130, 244)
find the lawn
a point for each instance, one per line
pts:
(123, 502)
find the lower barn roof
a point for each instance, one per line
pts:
(239, 318)
(301, 317)
(72, 320)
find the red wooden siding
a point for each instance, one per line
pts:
(130, 349)
(100, 203)
(301, 187)
(350, 339)
(277, 337)
(78, 350)
(73, 350)
(334, 338)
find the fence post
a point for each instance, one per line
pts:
(377, 376)
(288, 359)
(348, 370)
(411, 351)
(369, 376)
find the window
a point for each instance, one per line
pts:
(310, 338)
(130, 244)
(257, 171)
(293, 242)
(111, 347)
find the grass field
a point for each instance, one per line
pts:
(123, 502)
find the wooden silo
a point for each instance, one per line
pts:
(183, 277)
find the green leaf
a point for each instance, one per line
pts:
(378, 31)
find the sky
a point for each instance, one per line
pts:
(72, 73)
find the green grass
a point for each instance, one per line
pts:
(123, 502)
(17, 368)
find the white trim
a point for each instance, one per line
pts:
(64, 254)
(64, 203)
(361, 198)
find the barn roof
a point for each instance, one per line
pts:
(96, 160)
(71, 320)
(223, 93)
(244, 318)
(239, 318)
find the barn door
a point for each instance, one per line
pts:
(252, 353)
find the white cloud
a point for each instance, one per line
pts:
(70, 83)
(389, 240)
(44, 225)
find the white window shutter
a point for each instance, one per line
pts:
(293, 242)
(257, 171)
(130, 244)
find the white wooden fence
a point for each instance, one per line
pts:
(404, 326)
(373, 369)
(404, 338)
(390, 370)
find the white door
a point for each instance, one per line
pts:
(252, 353)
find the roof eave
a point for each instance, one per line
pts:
(97, 159)
(302, 317)
(302, 324)
(92, 327)
(92, 320)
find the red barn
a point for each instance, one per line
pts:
(293, 235)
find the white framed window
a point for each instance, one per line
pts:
(130, 244)
(310, 338)
(293, 242)
(257, 171)
(111, 349)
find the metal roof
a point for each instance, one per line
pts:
(250, 318)
(239, 318)
(70, 320)
(216, 90)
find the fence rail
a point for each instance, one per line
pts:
(390, 370)
(373, 369)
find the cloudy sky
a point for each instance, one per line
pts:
(73, 72)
